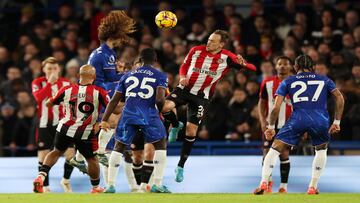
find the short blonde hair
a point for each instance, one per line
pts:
(50, 60)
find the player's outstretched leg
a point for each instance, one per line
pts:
(318, 167)
(78, 161)
(185, 150)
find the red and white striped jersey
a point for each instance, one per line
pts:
(267, 92)
(82, 104)
(204, 69)
(42, 90)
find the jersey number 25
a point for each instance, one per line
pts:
(144, 86)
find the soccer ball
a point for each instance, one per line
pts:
(166, 19)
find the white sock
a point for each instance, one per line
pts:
(105, 171)
(159, 166)
(269, 162)
(114, 163)
(79, 157)
(283, 185)
(318, 166)
(104, 137)
(130, 176)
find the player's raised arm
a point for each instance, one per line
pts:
(339, 108)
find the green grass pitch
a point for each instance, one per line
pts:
(178, 198)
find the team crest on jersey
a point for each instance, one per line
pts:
(219, 61)
(173, 95)
(112, 59)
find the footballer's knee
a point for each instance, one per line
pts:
(119, 147)
(321, 147)
(127, 156)
(137, 156)
(279, 146)
(191, 129)
(168, 106)
(149, 151)
(160, 145)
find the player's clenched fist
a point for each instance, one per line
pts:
(334, 129)
(105, 125)
(184, 81)
(269, 133)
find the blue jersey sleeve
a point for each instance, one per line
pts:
(121, 86)
(330, 85)
(163, 81)
(282, 90)
(96, 62)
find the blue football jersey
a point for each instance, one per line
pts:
(139, 87)
(104, 60)
(307, 90)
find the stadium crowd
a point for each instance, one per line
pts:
(329, 33)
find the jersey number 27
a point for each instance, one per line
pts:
(303, 86)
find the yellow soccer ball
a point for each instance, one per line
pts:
(166, 19)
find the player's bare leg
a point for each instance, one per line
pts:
(41, 157)
(68, 168)
(269, 162)
(318, 167)
(187, 145)
(169, 114)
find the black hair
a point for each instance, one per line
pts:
(148, 56)
(304, 62)
(282, 57)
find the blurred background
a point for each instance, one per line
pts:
(327, 30)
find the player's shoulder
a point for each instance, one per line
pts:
(39, 79)
(64, 80)
(198, 48)
(98, 88)
(227, 52)
(270, 78)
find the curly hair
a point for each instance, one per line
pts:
(305, 62)
(116, 25)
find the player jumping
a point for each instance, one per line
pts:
(203, 67)
(308, 93)
(82, 105)
(143, 89)
(268, 88)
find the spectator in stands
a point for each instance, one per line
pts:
(239, 112)
(8, 120)
(197, 33)
(217, 113)
(5, 61)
